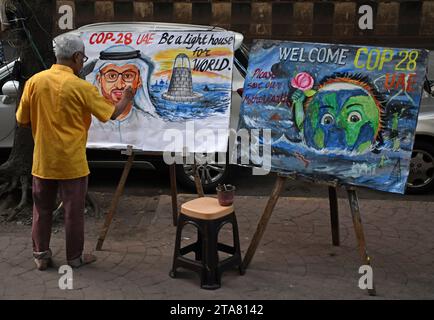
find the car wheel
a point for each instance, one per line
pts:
(421, 175)
(211, 175)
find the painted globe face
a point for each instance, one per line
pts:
(341, 116)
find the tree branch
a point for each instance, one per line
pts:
(24, 193)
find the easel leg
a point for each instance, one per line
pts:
(358, 227)
(278, 186)
(197, 181)
(174, 193)
(334, 215)
(115, 201)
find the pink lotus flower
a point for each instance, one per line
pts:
(302, 81)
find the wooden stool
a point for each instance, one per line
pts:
(208, 217)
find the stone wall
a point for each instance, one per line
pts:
(396, 23)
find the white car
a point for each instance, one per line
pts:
(421, 178)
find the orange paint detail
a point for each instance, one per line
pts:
(275, 117)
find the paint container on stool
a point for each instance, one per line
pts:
(225, 194)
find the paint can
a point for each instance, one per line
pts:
(225, 194)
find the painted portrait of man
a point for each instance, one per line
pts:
(113, 79)
(118, 67)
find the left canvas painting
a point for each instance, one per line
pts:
(181, 83)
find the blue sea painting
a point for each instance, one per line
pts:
(215, 100)
(335, 112)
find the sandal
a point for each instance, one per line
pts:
(43, 259)
(86, 258)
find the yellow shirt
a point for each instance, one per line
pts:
(59, 105)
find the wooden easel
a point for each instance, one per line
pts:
(355, 212)
(121, 185)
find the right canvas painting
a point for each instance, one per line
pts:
(334, 112)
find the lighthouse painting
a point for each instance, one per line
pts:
(181, 83)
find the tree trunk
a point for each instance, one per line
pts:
(36, 54)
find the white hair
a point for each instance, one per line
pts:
(67, 45)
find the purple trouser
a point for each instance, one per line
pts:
(73, 194)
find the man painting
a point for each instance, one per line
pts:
(58, 106)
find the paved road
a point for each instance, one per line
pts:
(295, 259)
